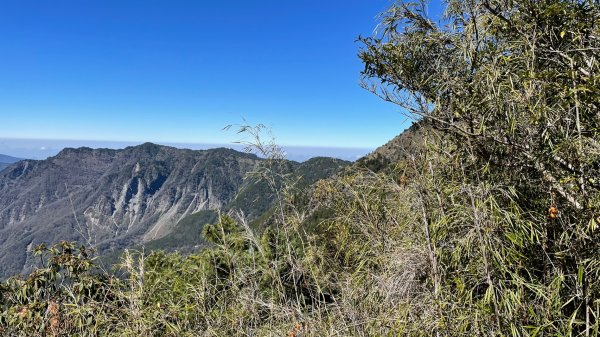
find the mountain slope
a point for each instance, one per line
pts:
(6, 161)
(144, 195)
(256, 196)
(111, 198)
(395, 150)
(255, 200)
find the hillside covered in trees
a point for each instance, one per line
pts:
(484, 221)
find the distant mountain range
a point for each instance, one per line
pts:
(149, 194)
(45, 148)
(5, 161)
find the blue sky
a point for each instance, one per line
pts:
(179, 71)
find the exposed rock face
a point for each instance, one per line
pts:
(110, 198)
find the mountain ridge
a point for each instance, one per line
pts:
(6, 161)
(112, 199)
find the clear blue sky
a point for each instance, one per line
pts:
(179, 71)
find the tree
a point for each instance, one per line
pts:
(512, 89)
(516, 80)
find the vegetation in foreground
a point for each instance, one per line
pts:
(488, 228)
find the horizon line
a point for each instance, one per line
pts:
(189, 143)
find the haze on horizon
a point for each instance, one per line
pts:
(44, 148)
(178, 71)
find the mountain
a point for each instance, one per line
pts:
(112, 199)
(6, 161)
(255, 199)
(396, 149)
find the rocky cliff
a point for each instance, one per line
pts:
(111, 198)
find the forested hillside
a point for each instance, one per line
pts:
(483, 220)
